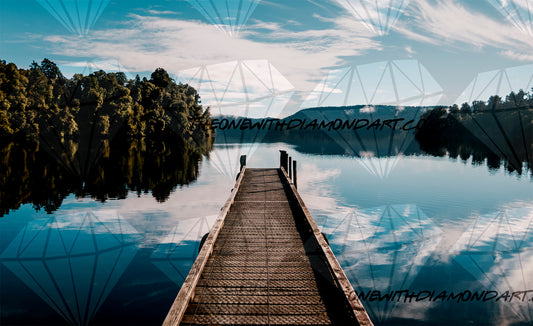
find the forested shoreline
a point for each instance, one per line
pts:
(40, 100)
(99, 135)
(499, 131)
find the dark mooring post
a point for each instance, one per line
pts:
(283, 160)
(290, 167)
(294, 174)
(243, 161)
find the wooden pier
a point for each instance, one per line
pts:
(265, 262)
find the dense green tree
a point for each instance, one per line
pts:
(160, 78)
(51, 70)
(41, 102)
(494, 102)
(479, 106)
(516, 99)
(465, 108)
(454, 109)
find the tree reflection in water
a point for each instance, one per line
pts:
(30, 175)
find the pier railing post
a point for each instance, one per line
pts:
(283, 160)
(294, 174)
(243, 163)
(290, 168)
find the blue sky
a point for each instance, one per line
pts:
(304, 41)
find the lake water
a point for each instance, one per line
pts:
(415, 228)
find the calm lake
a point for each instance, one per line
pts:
(424, 240)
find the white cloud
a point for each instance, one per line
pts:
(377, 16)
(452, 24)
(368, 109)
(147, 42)
(519, 56)
(315, 188)
(161, 12)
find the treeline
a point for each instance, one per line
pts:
(99, 135)
(41, 101)
(499, 131)
(450, 116)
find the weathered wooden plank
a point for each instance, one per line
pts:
(221, 292)
(253, 298)
(257, 320)
(288, 274)
(259, 309)
(258, 283)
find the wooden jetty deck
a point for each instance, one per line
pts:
(266, 263)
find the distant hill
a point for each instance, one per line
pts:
(348, 130)
(356, 111)
(343, 112)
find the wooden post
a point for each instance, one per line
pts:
(294, 174)
(243, 163)
(290, 167)
(283, 160)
